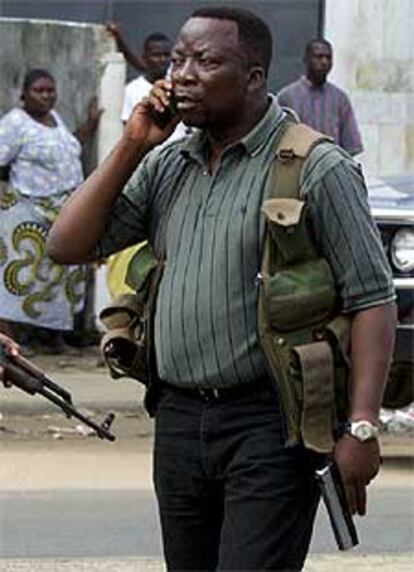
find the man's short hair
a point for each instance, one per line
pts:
(253, 32)
(155, 37)
(314, 41)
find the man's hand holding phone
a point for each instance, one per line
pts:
(166, 113)
(154, 118)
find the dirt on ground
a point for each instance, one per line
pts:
(28, 419)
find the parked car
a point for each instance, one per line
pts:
(392, 205)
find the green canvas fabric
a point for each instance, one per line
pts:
(297, 300)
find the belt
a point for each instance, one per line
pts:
(218, 394)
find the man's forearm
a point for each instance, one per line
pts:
(372, 343)
(133, 59)
(81, 222)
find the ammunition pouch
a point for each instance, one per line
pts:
(305, 339)
(126, 344)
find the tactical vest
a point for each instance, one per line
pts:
(303, 336)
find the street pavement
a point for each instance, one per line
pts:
(90, 384)
(29, 423)
(95, 393)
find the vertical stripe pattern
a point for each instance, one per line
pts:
(206, 314)
(206, 308)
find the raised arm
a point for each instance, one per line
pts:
(81, 222)
(135, 60)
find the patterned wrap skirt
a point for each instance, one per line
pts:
(34, 289)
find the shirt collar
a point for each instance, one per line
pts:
(253, 142)
(310, 85)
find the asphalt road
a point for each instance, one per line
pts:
(69, 502)
(92, 499)
(123, 523)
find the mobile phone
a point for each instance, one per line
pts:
(162, 119)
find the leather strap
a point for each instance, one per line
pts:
(317, 367)
(294, 146)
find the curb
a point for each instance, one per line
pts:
(315, 563)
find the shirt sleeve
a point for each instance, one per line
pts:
(347, 235)
(129, 220)
(349, 136)
(283, 98)
(10, 140)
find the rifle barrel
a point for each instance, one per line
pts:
(26, 376)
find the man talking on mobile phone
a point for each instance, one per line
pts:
(238, 430)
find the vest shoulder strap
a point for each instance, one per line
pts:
(291, 150)
(288, 246)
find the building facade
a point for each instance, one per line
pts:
(374, 62)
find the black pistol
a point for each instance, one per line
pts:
(333, 494)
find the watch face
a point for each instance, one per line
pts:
(363, 430)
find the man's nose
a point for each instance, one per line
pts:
(162, 59)
(186, 71)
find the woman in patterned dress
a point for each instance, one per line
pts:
(43, 159)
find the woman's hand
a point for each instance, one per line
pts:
(88, 128)
(94, 112)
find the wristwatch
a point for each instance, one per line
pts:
(363, 430)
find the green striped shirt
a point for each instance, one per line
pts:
(206, 314)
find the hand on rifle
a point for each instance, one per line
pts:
(16, 371)
(11, 347)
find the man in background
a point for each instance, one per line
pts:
(153, 64)
(319, 103)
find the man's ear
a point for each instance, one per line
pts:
(257, 78)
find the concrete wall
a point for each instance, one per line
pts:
(80, 57)
(374, 62)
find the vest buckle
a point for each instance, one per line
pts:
(285, 155)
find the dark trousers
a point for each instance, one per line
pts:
(231, 496)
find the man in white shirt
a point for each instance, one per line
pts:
(153, 63)
(156, 59)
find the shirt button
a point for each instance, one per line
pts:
(205, 173)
